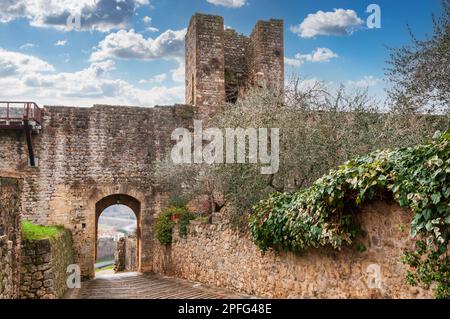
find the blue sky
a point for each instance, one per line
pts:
(131, 51)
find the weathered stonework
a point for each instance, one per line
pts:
(9, 237)
(222, 64)
(43, 272)
(214, 254)
(125, 254)
(106, 248)
(87, 155)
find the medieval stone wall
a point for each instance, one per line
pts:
(205, 84)
(105, 248)
(266, 54)
(9, 237)
(214, 254)
(222, 64)
(86, 154)
(236, 71)
(126, 253)
(43, 273)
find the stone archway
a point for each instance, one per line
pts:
(128, 201)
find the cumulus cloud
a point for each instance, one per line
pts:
(102, 15)
(317, 55)
(338, 22)
(366, 82)
(15, 64)
(228, 3)
(38, 81)
(159, 78)
(60, 43)
(178, 74)
(131, 45)
(292, 62)
(147, 20)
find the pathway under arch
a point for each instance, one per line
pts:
(134, 205)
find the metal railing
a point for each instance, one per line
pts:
(13, 112)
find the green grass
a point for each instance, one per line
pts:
(32, 231)
(105, 268)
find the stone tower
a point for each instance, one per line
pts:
(221, 65)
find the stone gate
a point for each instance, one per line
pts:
(89, 159)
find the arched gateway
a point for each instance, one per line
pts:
(134, 205)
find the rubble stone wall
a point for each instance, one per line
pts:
(216, 255)
(43, 273)
(10, 189)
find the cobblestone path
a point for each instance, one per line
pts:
(143, 286)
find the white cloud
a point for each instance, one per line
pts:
(131, 45)
(293, 62)
(228, 3)
(178, 74)
(159, 78)
(28, 46)
(15, 63)
(60, 43)
(102, 15)
(92, 85)
(338, 22)
(366, 82)
(147, 20)
(318, 55)
(151, 29)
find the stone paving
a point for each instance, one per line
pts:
(145, 286)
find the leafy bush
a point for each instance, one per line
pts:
(164, 223)
(164, 226)
(186, 217)
(321, 215)
(319, 129)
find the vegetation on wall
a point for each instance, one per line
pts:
(165, 223)
(418, 177)
(34, 232)
(319, 129)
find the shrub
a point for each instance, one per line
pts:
(319, 129)
(321, 215)
(164, 224)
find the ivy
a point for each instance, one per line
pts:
(184, 223)
(164, 226)
(418, 177)
(164, 223)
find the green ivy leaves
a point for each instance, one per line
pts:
(164, 223)
(321, 215)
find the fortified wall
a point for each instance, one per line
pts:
(10, 190)
(89, 159)
(222, 64)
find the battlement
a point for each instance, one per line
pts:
(221, 64)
